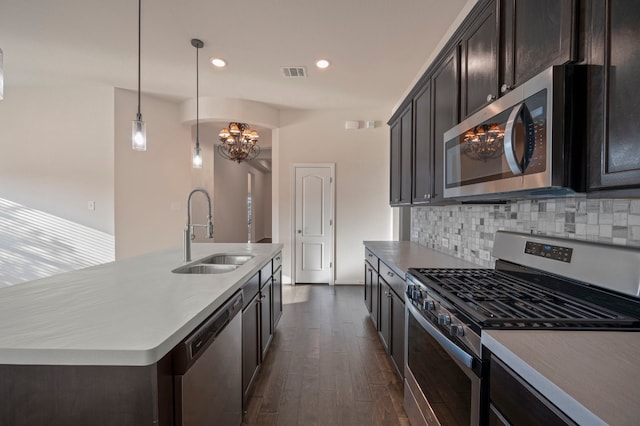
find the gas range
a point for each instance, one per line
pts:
(515, 295)
(538, 283)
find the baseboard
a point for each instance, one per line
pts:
(340, 282)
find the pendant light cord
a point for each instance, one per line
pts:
(197, 101)
(139, 116)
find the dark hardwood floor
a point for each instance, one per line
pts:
(326, 365)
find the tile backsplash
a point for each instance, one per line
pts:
(467, 231)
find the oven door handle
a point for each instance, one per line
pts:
(451, 348)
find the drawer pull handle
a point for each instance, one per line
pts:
(390, 274)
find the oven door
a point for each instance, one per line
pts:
(442, 387)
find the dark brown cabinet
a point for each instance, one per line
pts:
(444, 86)
(384, 298)
(396, 346)
(479, 62)
(536, 35)
(512, 401)
(401, 145)
(385, 313)
(422, 147)
(260, 315)
(614, 55)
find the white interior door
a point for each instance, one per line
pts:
(313, 224)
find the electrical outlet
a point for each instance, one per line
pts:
(91, 205)
(175, 206)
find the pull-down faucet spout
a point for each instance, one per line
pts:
(188, 230)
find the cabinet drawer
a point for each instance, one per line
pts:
(250, 289)
(277, 261)
(395, 281)
(265, 274)
(371, 258)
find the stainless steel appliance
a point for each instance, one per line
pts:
(528, 142)
(538, 282)
(208, 370)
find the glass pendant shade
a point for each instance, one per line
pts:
(138, 135)
(197, 157)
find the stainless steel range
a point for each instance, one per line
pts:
(538, 283)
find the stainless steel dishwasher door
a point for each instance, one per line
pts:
(209, 392)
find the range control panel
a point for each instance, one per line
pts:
(562, 254)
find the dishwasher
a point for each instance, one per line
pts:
(207, 369)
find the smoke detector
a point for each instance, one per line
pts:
(294, 71)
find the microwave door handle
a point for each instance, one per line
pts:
(509, 142)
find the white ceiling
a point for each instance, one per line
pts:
(376, 47)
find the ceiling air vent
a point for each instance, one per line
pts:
(294, 71)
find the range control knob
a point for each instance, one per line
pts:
(457, 330)
(444, 319)
(429, 305)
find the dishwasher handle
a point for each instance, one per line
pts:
(190, 349)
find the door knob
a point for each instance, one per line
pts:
(299, 231)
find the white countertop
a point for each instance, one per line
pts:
(402, 255)
(129, 312)
(592, 376)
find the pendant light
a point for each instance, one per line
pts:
(197, 153)
(138, 128)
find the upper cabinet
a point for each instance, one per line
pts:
(422, 147)
(479, 62)
(614, 56)
(401, 146)
(444, 86)
(536, 34)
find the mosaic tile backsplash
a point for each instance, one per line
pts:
(467, 231)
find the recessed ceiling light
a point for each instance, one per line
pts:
(322, 64)
(218, 62)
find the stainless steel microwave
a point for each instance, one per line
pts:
(528, 143)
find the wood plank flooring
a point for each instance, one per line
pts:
(326, 365)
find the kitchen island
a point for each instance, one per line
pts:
(96, 342)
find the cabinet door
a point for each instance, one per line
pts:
(397, 332)
(444, 85)
(375, 300)
(277, 297)
(396, 164)
(479, 62)
(266, 327)
(422, 147)
(368, 285)
(406, 136)
(515, 401)
(385, 313)
(537, 34)
(250, 345)
(615, 99)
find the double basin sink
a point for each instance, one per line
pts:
(214, 264)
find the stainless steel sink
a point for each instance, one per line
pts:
(199, 268)
(226, 259)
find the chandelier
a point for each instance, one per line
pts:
(484, 142)
(238, 143)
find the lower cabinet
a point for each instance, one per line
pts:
(512, 401)
(384, 300)
(260, 316)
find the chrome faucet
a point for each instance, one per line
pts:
(188, 231)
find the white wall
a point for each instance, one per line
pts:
(362, 180)
(56, 155)
(151, 187)
(230, 201)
